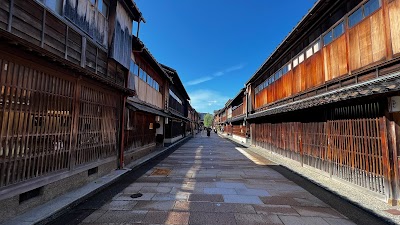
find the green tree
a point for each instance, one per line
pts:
(208, 119)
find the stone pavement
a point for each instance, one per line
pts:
(209, 180)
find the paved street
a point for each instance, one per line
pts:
(209, 180)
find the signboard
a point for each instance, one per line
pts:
(394, 104)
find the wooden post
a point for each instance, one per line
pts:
(83, 53)
(43, 27)
(301, 143)
(66, 42)
(75, 124)
(330, 158)
(394, 161)
(386, 19)
(386, 160)
(122, 136)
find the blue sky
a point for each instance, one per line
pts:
(216, 45)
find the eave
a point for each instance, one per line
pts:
(309, 20)
(178, 83)
(380, 85)
(139, 47)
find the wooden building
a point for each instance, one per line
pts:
(326, 97)
(239, 127)
(178, 103)
(193, 126)
(145, 113)
(63, 69)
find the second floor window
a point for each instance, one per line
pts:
(133, 68)
(103, 7)
(365, 10)
(54, 5)
(334, 33)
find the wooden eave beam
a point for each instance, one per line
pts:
(62, 62)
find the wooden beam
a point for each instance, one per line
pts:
(83, 53)
(96, 61)
(66, 42)
(43, 27)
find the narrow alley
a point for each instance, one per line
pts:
(208, 180)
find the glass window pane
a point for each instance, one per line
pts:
(371, 6)
(356, 17)
(55, 5)
(100, 5)
(301, 58)
(284, 70)
(135, 69)
(309, 52)
(289, 67)
(295, 62)
(142, 74)
(328, 38)
(103, 8)
(338, 30)
(149, 79)
(316, 47)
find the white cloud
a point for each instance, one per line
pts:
(234, 68)
(216, 74)
(199, 81)
(219, 73)
(207, 100)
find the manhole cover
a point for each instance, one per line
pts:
(137, 195)
(161, 172)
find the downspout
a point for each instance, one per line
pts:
(122, 145)
(138, 28)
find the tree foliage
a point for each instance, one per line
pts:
(208, 118)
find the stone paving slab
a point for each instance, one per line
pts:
(246, 199)
(210, 182)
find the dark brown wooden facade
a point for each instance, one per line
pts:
(322, 98)
(145, 112)
(178, 105)
(61, 96)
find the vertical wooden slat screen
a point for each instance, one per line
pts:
(314, 145)
(350, 146)
(239, 130)
(97, 127)
(138, 132)
(35, 119)
(357, 152)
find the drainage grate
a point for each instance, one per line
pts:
(137, 195)
(160, 172)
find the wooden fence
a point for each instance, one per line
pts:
(51, 122)
(353, 150)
